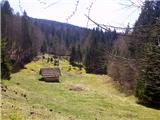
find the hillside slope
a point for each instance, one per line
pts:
(79, 96)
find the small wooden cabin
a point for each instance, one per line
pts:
(50, 74)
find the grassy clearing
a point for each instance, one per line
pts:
(27, 98)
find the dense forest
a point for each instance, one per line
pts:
(27, 37)
(132, 58)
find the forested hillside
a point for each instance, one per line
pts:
(131, 58)
(27, 37)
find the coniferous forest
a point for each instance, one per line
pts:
(26, 37)
(130, 58)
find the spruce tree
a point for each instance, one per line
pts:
(79, 55)
(148, 85)
(5, 62)
(44, 47)
(147, 52)
(95, 60)
(73, 56)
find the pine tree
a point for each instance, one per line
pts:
(43, 48)
(144, 27)
(72, 59)
(148, 85)
(26, 38)
(6, 8)
(95, 60)
(27, 43)
(6, 12)
(5, 62)
(79, 55)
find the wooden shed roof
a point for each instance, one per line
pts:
(50, 72)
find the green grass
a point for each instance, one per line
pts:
(98, 100)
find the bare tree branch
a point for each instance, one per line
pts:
(142, 28)
(105, 27)
(89, 10)
(52, 4)
(42, 2)
(74, 11)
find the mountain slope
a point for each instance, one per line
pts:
(79, 96)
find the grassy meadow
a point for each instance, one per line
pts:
(78, 96)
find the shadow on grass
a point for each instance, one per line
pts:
(43, 80)
(150, 105)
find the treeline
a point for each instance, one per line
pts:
(138, 56)
(145, 47)
(21, 40)
(26, 37)
(65, 39)
(96, 54)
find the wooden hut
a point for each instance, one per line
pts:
(50, 74)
